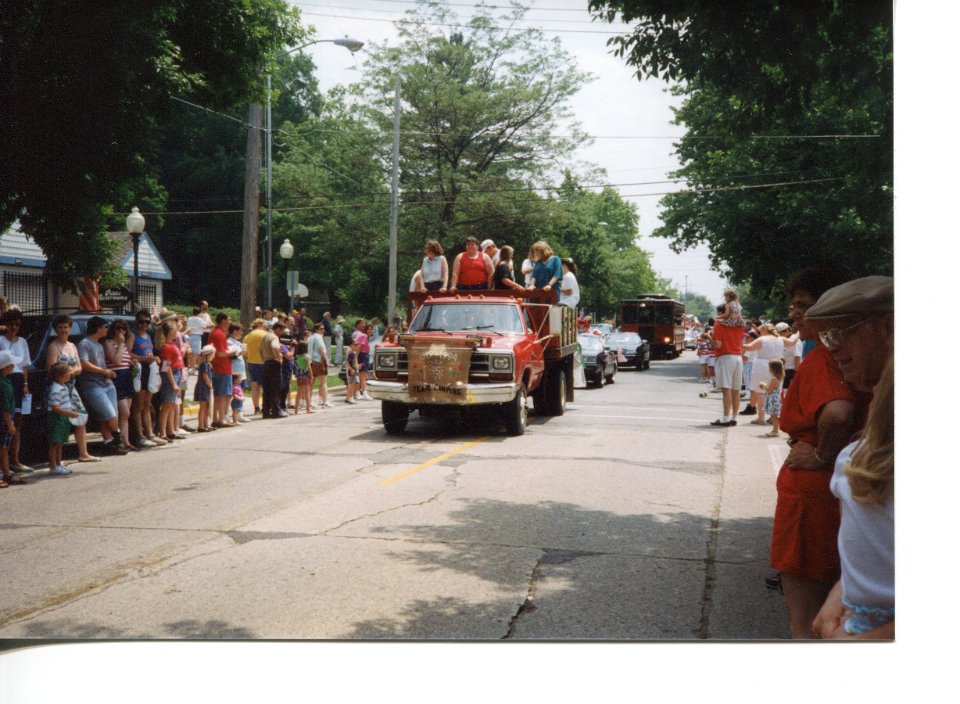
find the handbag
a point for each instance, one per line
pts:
(153, 385)
(342, 374)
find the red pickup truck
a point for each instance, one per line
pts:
(489, 349)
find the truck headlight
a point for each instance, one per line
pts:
(385, 360)
(666, 339)
(501, 363)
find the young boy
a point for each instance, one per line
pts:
(203, 391)
(353, 370)
(7, 428)
(59, 412)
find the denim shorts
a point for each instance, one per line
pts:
(168, 393)
(196, 343)
(100, 400)
(222, 384)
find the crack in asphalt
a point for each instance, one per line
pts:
(550, 556)
(710, 561)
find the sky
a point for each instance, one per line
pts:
(629, 119)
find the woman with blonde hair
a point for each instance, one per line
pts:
(861, 604)
(768, 347)
(547, 270)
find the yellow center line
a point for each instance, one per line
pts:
(430, 463)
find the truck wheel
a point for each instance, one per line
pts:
(557, 392)
(599, 381)
(394, 416)
(610, 378)
(515, 413)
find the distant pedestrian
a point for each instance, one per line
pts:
(236, 401)
(222, 371)
(119, 361)
(272, 373)
(7, 428)
(353, 371)
(195, 329)
(60, 415)
(208, 324)
(18, 378)
(319, 359)
(254, 363)
(96, 385)
(327, 322)
(569, 288)
(142, 352)
(304, 379)
(61, 350)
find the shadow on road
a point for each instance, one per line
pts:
(597, 575)
(71, 629)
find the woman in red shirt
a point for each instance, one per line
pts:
(472, 269)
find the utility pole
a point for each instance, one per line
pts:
(394, 196)
(251, 216)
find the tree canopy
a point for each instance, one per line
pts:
(788, 150)
(84, 90)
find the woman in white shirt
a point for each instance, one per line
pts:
(569, 288)
(195, 327)
(768, 346)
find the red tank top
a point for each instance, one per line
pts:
(472, 271)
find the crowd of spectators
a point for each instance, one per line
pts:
(815, 376)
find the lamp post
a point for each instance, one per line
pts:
(353, 45)
(286, 251)
(135, 225)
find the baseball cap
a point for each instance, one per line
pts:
(781, 327)
(487, 243)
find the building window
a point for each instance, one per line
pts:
(28, 291)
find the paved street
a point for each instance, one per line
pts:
(627, 518)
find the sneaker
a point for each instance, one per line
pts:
(350, 400)
(186, 429)
(731, 423)
(367, 396)
(719, 423)
(143, 443)
(256, 411)
(61, 470)
(282, 414)
(749, 411)
(158, 441)
(180, 434)
(120, 449)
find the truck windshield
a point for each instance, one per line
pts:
(467, 317)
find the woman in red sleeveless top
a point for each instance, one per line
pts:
(472, 269)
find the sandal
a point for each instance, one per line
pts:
(14, 479)
(3, 484)
(771, 434)
(21, 468)
(204, 430)
(91, 458)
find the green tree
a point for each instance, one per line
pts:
(331, 200)
(84, 88)
(485, 122)
(765, 84)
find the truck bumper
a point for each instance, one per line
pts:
(474, 394)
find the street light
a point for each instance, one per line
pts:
(135, 225)
(286, 251)
(353, 45)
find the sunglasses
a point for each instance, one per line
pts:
(834, 336)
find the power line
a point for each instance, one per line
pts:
(462, 25)
(411, 201)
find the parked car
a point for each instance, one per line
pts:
(633, 347)
(599, 363)
(690, 340)
(38, 330)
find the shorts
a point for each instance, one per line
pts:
(145, 376)
(201, 392)
(17, 380)
(433, 285)
(196, 342)
(255, 373)
(711, 362)
(806, 523)
(168, 393)
(5, 437)
(353, 378)
(729, 371)
(236, 404)
(123, 383)
(58, 428)
(100, 401)
(363, 361)
(705, 359)
(222, 384)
